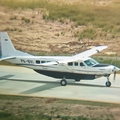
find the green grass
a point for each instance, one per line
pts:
(66, 101)
(7, 116)
(11, 97)
(10, 115)
(104, 17)
(88, 33)
(91, 103)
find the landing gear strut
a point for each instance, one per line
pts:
(63, 82)
(108, 83)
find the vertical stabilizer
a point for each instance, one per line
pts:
(6, 47)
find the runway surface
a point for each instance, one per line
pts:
(24, 81)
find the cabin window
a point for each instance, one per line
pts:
(43, 61)
(70, 63)
(76, 63)
(37, 61)
(81, 64)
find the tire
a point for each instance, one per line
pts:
(108, 84)
(77, 80)
(63, 82)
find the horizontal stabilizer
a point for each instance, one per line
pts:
(6, 58)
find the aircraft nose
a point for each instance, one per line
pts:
(114, 68)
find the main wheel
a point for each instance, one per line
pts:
(77, 80)
(63, 82)
(108, 83)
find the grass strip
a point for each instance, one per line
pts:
(105, 17)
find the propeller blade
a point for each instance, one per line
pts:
(114, 75)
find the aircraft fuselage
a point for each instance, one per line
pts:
(77, 70)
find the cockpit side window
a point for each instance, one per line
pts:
(90, 62)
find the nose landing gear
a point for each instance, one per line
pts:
(108, 83)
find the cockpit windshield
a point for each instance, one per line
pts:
(90, 62)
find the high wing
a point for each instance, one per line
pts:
(90, 52)
(86, 53)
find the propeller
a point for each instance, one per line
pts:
(114, 75)
(115, 71)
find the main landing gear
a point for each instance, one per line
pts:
(63, 82)
(108, 83)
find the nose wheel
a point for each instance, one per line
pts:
(108, 83)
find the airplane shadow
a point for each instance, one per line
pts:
(57, 83)
(6, 77)
(48, 84)
(87, 85)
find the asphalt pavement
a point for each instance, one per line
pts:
(25, 82)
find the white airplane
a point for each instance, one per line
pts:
(77, 67)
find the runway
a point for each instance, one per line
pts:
(24, 81)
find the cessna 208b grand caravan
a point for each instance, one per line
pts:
(77, 67)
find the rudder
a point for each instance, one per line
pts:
(7, 49)
(6, 46)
